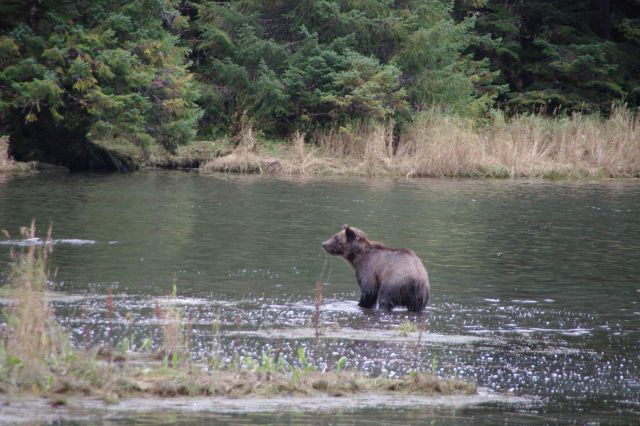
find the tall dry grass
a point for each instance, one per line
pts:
(175, 345)
(8, 164)
(299, 159)
(34, 342)
(4, 152)
(176, 332)
(523, 146)
(437, 144)
(356, 149)
(528, 145)
(245, 157)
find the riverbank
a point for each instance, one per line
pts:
(440, 145)
(8, 164)
(433, 145)
(155, 410)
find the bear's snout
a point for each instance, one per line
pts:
(329, 246)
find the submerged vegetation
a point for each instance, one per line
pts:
(38, 358)
(347, 85)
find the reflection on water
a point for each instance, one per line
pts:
(26, 242)
(545, 273)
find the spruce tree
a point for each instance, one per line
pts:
(302, 64)
(79, 76)
(560, 56)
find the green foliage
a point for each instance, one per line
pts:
(289, 65)
(305, 365)
(108, 71)
(124, 345)
(561, 56)
(407, 327)
(78, 75)
(174, 288)
(434, 365)
(146, 345)
(267, 362)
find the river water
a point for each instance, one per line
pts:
(535, 284)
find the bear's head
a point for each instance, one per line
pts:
(348, 242)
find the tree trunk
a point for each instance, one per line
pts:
(602, 18)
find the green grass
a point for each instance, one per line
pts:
(407, 327)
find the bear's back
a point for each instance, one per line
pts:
(400, 265)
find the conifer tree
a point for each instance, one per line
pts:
(299, 64)
(561, 56)
(80, 74)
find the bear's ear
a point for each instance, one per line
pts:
(351, 235)
(345, 226)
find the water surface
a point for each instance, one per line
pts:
(540, 278)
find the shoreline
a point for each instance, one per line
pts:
(87, 409)
(269, 165)
(110, 380)
(439, 145)
(282, 164)
(434, 145)
(8, 164)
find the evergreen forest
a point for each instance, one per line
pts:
(80, 77)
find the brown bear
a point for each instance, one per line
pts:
(390, 277)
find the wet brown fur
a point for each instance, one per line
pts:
(386, 276)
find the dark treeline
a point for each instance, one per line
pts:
(560, 56)
(80, 76)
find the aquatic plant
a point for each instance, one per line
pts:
(175, 332)
(36, 354)
(406, 327)
(34, 343)
(215, 355)
(316, 312)
(110, 311)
